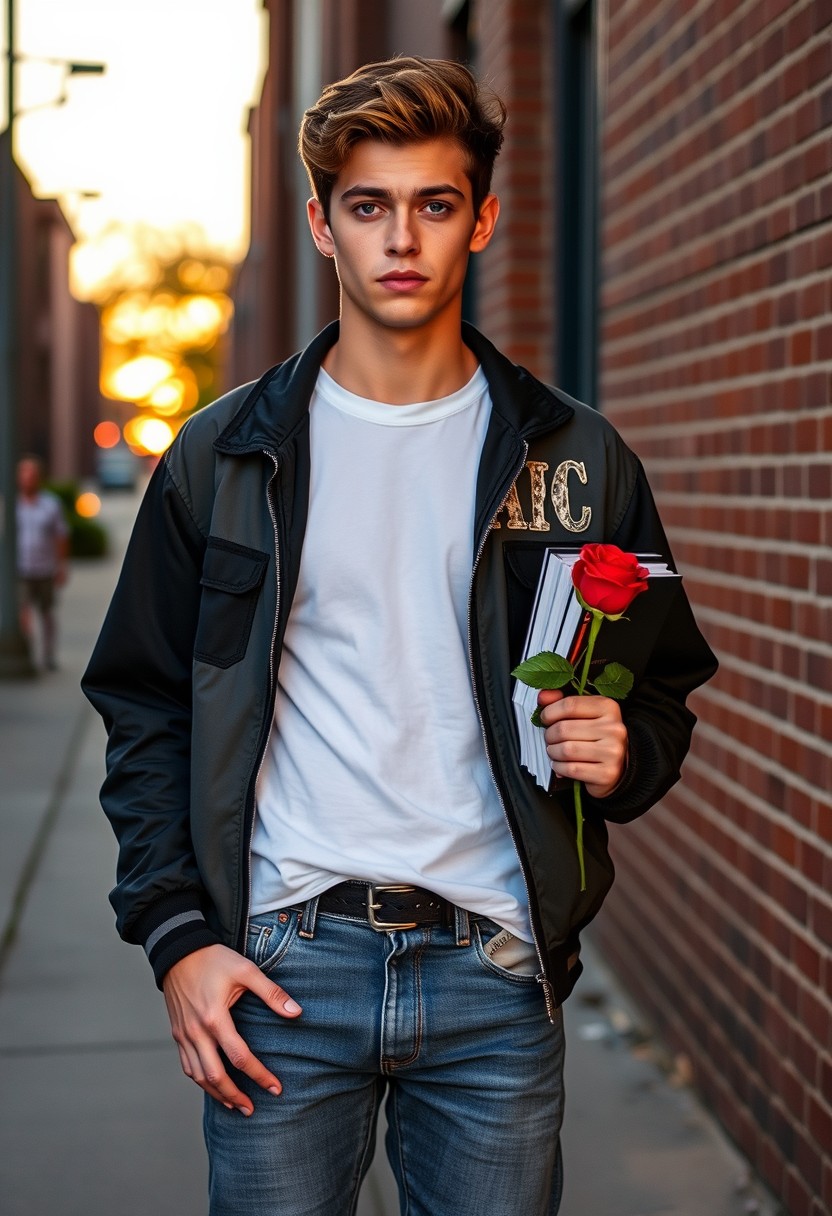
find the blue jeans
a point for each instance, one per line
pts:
(470, 1062)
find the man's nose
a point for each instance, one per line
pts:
(402, 237)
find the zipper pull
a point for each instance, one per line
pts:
(549, 997)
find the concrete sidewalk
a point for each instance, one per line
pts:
(97, 1117)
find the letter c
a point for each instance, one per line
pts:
(560, 496)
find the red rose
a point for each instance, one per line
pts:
(607, 579)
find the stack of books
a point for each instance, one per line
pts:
(558, 624)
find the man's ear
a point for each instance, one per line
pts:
(321, 234)
(486, 223)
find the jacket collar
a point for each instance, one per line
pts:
(528, 406)
(279, 402)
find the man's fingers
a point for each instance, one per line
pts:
(184, 1060)
(584, 730)
(201, 1062)
(548, 696)
(591, 750)
(210, 1074)
(273, 995)
(575, 708)
(586, 740)
(200, 991)
(241, 1057)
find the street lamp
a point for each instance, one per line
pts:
(69, 69)
(15, 660)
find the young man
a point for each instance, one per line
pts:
(42, 553)
(344, 880)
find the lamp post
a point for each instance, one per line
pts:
(15, 659)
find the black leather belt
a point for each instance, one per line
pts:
(388, 905)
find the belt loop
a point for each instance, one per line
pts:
(309, 918)
(462, 926)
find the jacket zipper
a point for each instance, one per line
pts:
(548, 996)
(246, 918)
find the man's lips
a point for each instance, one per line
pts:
(402, 280)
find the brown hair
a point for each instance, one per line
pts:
(401, 101)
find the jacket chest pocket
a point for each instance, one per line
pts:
(523, 563)
(232, 577)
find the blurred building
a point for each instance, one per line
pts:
(285, 290)
(58, 344)
(664, 252)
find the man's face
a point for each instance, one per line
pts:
(28, 477)
(401, 228)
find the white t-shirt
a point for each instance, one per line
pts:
(40, 526)
(376, 766)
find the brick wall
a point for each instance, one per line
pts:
(515, 286)
(717, 366)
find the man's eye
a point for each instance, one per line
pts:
(436, 208)
(366, 209)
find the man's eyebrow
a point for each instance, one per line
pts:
(386, 196)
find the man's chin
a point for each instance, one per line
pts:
(401, 318)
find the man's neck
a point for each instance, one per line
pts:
(400, 366)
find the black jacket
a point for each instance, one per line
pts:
(184, 670)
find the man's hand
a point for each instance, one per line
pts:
(199, 992)
(586, 739)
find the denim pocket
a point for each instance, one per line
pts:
(521, 958)
(269, 937)
(232, 576)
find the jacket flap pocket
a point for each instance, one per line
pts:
(231, 567)
(524, 560)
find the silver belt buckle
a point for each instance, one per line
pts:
(372, 892)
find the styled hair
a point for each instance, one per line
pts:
(401, 101)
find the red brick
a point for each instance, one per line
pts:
(815, 1016)
(717, 301)
(771, 1165)
(819, 1122)
(823, 340)
(796, 1194)
(807, 958)
(809, 1161)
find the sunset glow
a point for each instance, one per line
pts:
(160, 137)
(148, 436)
(136, 379)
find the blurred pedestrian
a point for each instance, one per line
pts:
(42, 553)
(313, 768)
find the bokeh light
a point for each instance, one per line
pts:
(137, 378)
(87, 505)
(107, 434)
(168, 396)
(147, 435)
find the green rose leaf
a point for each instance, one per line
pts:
(614, 681)
(534, 718)
(545, 670)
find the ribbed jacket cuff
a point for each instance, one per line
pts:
(172, 928)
